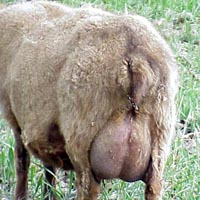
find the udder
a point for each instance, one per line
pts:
(121, 149)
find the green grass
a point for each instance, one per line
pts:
(179, 23)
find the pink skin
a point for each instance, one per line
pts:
(119, 150)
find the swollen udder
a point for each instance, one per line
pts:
(119, 149)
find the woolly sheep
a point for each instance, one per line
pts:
(89, 91)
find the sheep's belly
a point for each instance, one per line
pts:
(49, 147)
(50, 154)
(119, 151)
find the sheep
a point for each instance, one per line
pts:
(87, 90)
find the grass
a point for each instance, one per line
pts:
(179, 23)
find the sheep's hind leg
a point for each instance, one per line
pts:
(49, 175)
(153, 183)
(88, 188)
(22, 162)
(159, 153)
